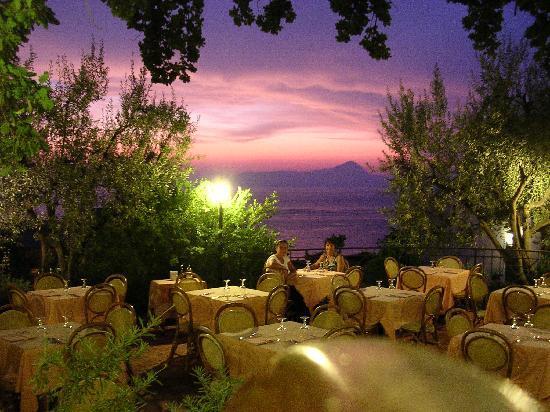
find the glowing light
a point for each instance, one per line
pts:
(219, 192)
(509, 238)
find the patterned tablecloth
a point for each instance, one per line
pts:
(453, 280)
(159, 297)
(531, 358)
(19, 351)
(206, 302)
(53, 304)
(246, 354)
(392, 307)
(495, 309)
(314, 285)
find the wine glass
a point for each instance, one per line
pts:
(243, 287)
(391, 283)
(282, 326)
(542, 281)
(536, 285)
(66, 322)
(40, 327)
(514, 324)
(83, 282)
(308, 265)
(304, 322)
(66, 286)
(226, 288)
(432, 263)
(528, 323)
(378, 284)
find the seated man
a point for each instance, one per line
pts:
(280, 261)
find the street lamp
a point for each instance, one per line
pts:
(219, 192)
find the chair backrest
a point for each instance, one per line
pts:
(180, 302)
(457, 321)
(120, 283)
(235, 317)
(325, 318)
(97, 301)
(477, 268)
(15, 317)
(351, 304)
(17, 297)
(338, 281)
(268, 281)
(49, 281)
(189, 284)
(210, 350)
(344, 332)
(452, 262)
(89, 338)
(477, 288)
(122, 317)
(391, 266)
(518, 300)
(433, 301)
(276, 303)
(190, 274)
(412, 278)
(487, 349)
(541, 318)
(355, 276)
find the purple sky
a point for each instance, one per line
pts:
(298, 100)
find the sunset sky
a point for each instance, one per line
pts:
(298, 100)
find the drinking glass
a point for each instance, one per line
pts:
(308, 265)
(243, 287)
(40, 325)
(226, 288)
(282, 326)
(304, 322)
(542, 281)
(378, 284)
(391, 283)
(66, 286)
(66, 322)
(514, 324)
(432, 263)
(528, 323)
(536, 281)
(83, 283)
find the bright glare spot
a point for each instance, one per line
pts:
(509, 238)
(316, 356)
(219, 192)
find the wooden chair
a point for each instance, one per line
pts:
(343, 332)
(268, 281)
(235, 317)
(457, 321)
(87, 339)
(189, 284)
(488, 350)
(120, 283)
(325, 317)
(541, 317)
(97, 301)
(49, 281)
(355, 276)
(276, 304)
(338, 281)
(17, 297)
(430, 311)
(412, 278)
(518, 301)
(122, 317)
(452, 262)
(15, 317)
(184, 323)
(391, 266)
(351, 304)
(478, 294)
(210, 351)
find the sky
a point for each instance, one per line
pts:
(296, 101)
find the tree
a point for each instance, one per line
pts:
(479, 169)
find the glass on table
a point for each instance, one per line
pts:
(308, 265)
(514, 324)
(304, 322)
(282, 326)
(66, 286)
(83, 280)
(226, 288)
(528, 323)
(536, 283)
(243, 287)
(40, 326)
(391, 283)
(378, 284)
(66, 323)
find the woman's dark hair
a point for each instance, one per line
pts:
(329, 240)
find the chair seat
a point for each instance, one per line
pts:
(415, 327)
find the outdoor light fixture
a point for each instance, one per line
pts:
(219, 192)
(509, 238)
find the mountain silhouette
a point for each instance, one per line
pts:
(348, 174)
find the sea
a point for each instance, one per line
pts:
(310, 215)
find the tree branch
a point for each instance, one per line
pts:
(489, 232)
(541, 225)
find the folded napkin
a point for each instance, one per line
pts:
(261, 340)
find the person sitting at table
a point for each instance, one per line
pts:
(331, 259)
(280, 261)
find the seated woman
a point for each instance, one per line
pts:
(331, 260)
(280, 261)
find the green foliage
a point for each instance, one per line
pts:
(91, 378)
(214, 392)
(7, 280)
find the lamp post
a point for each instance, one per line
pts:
(219, 192)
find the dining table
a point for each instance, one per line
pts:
(250, 351)
(313, 285)
(453, 280)
(531, 357)
(57, 305)
(20, 350)
(392, 308)
(159, 297)
(494, 312)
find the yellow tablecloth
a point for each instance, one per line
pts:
(392, 307)
(20, 349)
(247, 356)
(206, 302)
(314, 285)
(495, 310)
(453, 280)
(53, 304)
(159, 297)
(531, 363)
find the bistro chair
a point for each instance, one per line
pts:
(351, 304)
(189, 284)
(17, 297)
(541, 317)
(119, 282)
(478, 294)
(184, 322)
(355, 276)
(87, 339)
(211, 351)
(487, 349)
(326, 318)
(477, 268)
(427, 322)
(391, 266)
(412, 278)
(451, 262)
(338, 281)
(122, 317)
(15, 317)
(97, 300)
(49, 281)
(457, 321)
(343, 332)
(235, 317)
(268, 281)
(518, 301)
(276, 304)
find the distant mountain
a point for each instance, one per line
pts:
(348, 174)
